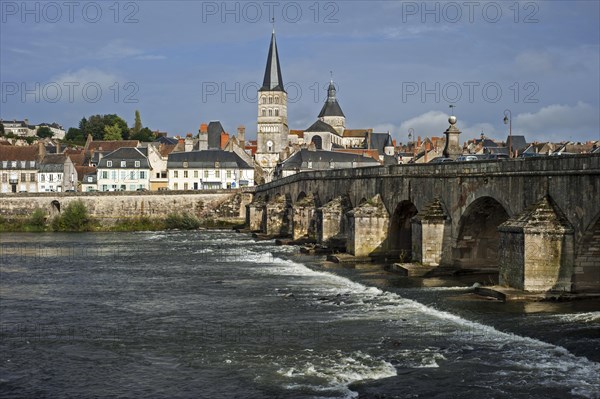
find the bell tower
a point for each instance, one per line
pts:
(272, 126)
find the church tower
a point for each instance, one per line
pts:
(272, 133)
(331, 113)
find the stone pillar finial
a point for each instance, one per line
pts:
(452, 148)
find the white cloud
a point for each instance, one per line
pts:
(119, 49)
(559, 122)
(431, 123)
(86, 75)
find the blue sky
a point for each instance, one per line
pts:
(397, 64)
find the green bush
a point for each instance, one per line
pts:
(181, 222)
(37, 221)
(73, 218)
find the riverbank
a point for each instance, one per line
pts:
(175, 222)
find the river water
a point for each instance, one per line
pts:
(219, 315)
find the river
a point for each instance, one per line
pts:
(214, 314)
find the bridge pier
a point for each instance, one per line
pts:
(331, 220)
(303, 220)
(255, 213)
(368, 227)
(431, 232)
(536, 249)
(278, 215)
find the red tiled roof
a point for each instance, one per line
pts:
(25, 153)
(111, 145)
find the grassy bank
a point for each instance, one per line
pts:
(75, 218)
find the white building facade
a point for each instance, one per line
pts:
(126, 169)
(208, 170)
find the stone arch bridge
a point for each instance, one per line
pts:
(537, 220)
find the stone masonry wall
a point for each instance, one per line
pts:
(219, 204)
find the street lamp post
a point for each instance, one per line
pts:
(508, 121)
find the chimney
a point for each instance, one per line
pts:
(189, 143)
(419, 142)
(204, 128)
(242, 135)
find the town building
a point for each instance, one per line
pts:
(19, 167)
(89, 182)
(208, 170)
(309, 159)
(56, 174)
(18, 128)
(125, 169)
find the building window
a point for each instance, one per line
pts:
(217, 173)
(276, 99)
(270, 100)
(123, 164)
(185, 164)
(229, 174)
(113, 175)
(264, 112)
(51, 177)
(270, 112)
(132, 175)
(5, 177)
(23, 177)
(32, 177)
(206, 174)
(90, 179)
(264, 100)
(108, 164)
(185, 186)
(269, 146)
(104, 175)
(175, 186)
(42, 178)
(276, 112)
(309, 164)
(123, 175)
(142, 174)
(185, 174)
(104, 187)
(176, 174)
(137, 164)
(195, 174)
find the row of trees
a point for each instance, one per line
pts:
(109, 127)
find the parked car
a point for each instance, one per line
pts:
(497, 157)
(441, 160)
(467, 158)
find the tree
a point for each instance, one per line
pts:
(44, 131)
(75, 135)
(95, 125)
(144, 135)
(138, 123)
(112, 132)
(1, 129)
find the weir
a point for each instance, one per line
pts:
(534, 220)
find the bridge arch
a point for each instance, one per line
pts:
(54, 207)
(400, 229)
(301, 196)
(478, 237)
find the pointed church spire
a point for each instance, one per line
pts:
(273, 80)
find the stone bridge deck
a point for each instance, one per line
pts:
(536, 219)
